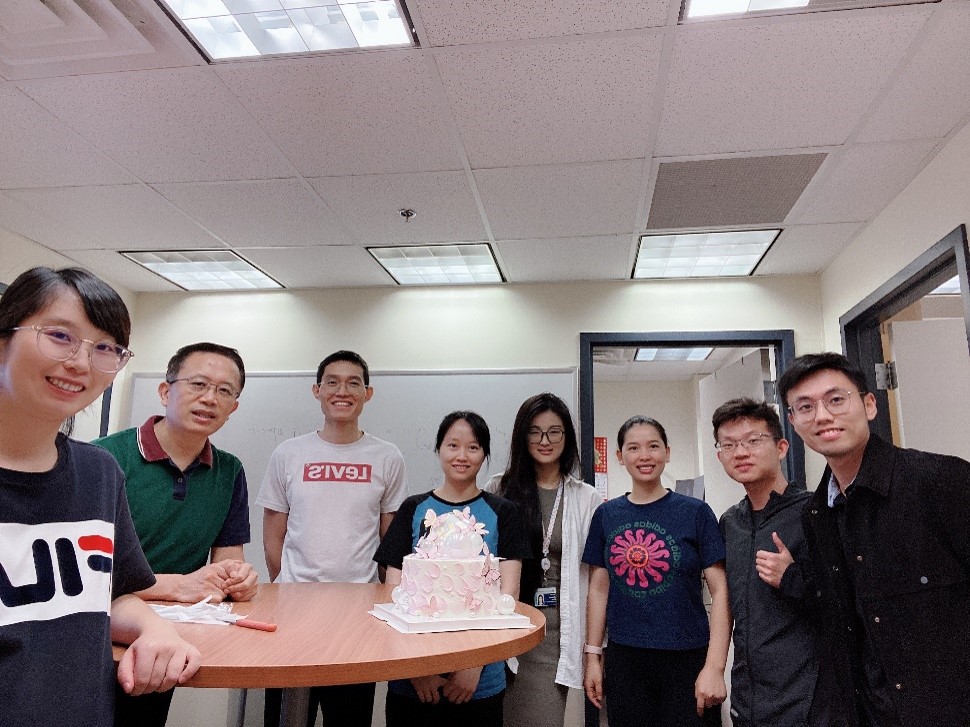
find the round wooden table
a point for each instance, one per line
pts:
(326, 636)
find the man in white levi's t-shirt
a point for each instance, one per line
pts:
(328, 498)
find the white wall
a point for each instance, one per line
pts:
(669, 402)
(742, 378)
(934, 203)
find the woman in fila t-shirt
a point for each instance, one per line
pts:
(63, 337)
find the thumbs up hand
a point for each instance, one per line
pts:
(772, 566)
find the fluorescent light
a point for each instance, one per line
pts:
(950, 287)
(439, 264)
(708, 8)
(204, 269)
(702, 255)
(241, 28)
(673, 354)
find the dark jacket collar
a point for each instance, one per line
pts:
(875, 472)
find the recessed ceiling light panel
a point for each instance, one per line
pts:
(702, 255)
(241, 28)
(439, 264)
(717, 9)
(673, 354)
(204, 269)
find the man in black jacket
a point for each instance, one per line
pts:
(775, 669)
(888, 533)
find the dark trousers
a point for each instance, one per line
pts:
(654, 688)
(148, 710)
(347, 705)
(404, 711)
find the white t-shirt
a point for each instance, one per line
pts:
(335, 495)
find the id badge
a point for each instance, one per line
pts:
(546, 597)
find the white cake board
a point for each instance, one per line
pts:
(408, 624)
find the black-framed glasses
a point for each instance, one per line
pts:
(837, 401)
(60, 344)
(199, 387)
(750, 444)
(553, 435)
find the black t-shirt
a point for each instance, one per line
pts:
(67, 549)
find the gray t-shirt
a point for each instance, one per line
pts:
(335, 495)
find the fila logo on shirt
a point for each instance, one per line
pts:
(54, 569)
(336, 472)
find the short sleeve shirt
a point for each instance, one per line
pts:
(654, 555)
(506, 538)
(67, 549)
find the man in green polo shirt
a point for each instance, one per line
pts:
(188, 500)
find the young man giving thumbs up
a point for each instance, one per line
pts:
(775, 668)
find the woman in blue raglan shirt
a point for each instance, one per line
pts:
(470, 697)
(647, 550)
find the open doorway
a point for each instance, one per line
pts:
(682, 394)
(911, 337)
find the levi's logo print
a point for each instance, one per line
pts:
(642, 556)
(54, 569)
(336, 472)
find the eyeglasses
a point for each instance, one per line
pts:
(200, 386)
(554, 435)
(60, 344)
(355, 387)
(750, 444)
(837, 401)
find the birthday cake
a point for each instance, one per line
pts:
(451, 573)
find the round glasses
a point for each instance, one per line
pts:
(553, 435)
(837, 401)
(60, 344)
(199, 387)
(750, 444)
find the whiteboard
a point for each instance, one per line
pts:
(406, 409)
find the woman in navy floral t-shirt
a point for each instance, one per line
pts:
(647, 552)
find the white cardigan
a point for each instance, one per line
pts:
(578, 503)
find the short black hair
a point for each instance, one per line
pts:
(350, 357)
(175, 363)
(747, 408)
(811, 363)
(635, 421)
(33, 290)
(475, 421)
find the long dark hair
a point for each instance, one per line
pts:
(518, 482)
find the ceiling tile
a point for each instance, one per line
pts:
(564, 259)
(574, 200)
(931, 94)
(319, 267)
(456, 22)
(40, 151)
(264, 213)
(865, 178)
(735, 191)
(554, 102)
(179, 125)
(780, 83)
(20, 219)
(806, 249)
(349, 113)
(369, 206)
(119, 270)
(129, 217)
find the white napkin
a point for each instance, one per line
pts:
(202, 612)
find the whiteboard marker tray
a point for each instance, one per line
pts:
(408, 624)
